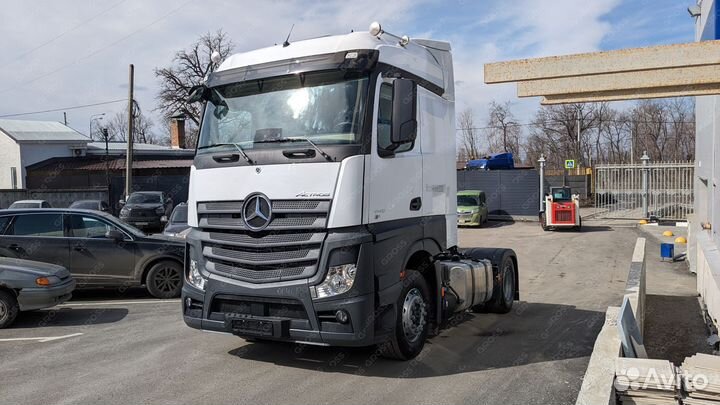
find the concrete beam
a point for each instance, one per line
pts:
(624, 60)
(686, 76)
(597, 384)
(634, 94)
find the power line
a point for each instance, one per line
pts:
(95, 52)
(75, 107)
(62, 34)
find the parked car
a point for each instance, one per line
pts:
(178, 222)
(97, 205)
(471, 208)
(97, 248)
(146, 209)
(29, 204)
(27, 285)
(496, 161)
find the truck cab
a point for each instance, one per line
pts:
(323, 190)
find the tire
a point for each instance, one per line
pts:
(579, 227)
(412, 317)
(9, 308)
(503, 287)
(543, 222)
(165, 279)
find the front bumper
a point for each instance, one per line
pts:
(285, 309)
(45, 297)
(468, 219)
(143, 222)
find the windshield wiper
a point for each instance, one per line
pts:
(237, 146)
(299, 139)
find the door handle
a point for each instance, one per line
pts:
(416, 204)
(79, 248)
(15, 247)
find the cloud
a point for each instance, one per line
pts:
(89, 45)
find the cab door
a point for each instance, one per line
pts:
(393, 177)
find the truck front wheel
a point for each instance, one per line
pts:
(411, 325)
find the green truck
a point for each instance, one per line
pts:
(471, 208)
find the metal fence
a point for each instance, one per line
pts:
(646, 190)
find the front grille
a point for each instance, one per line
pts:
(260, 307)
(287, 249)
(563, 216)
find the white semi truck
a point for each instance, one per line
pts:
(323, 198)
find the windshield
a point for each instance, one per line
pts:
(179, 215)
(88, 205)
(467, 201)
(323, 107)
(144, 198)
(562, 194)
(25, 205)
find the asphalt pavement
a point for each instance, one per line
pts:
(119, 348)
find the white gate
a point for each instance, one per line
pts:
(647, 190)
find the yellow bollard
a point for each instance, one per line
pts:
(680, 239)
(643, 222)
(667, 233)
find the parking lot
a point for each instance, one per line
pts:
(111, 347)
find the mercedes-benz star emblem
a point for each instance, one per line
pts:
(257, 212)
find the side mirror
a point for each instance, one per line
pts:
(115, 235)
(121, 203)
(404, 122)
(197, 93)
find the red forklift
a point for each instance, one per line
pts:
(562, 210)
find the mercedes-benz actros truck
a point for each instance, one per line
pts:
(323, 198)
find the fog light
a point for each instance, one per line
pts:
(342, 316)
(188, 302)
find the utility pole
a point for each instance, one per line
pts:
(579, 152)
(65, 118)
(129, 153)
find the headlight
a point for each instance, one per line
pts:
(46, 281)
(194, 277)
(125, 211)
(339, 280)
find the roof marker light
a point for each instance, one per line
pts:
(375, 29)
(404, 40)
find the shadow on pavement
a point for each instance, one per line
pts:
(69, 317)
(94, 294)
(531, 333)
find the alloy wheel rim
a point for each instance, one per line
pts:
(509, 282)
(167, 279)
(3, 311)
(414, 315)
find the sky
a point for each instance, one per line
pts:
(61, 54)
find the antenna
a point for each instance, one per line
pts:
(287, 43)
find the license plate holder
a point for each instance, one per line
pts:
(251, 327)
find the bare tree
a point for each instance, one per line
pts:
(189, 68)
(503, 131)
(143, 125)
(468, 133)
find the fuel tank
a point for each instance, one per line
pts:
(469, 282)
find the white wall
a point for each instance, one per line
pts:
(704, 244)
(9, 157)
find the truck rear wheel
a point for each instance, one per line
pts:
(411, 325)
(9, 308)
(503, 287)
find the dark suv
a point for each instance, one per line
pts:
(147, 209)
(99, 250)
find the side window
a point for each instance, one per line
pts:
(45, 205)
(384, 122)
(37, 225)
(4, 221)
(82, 226)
